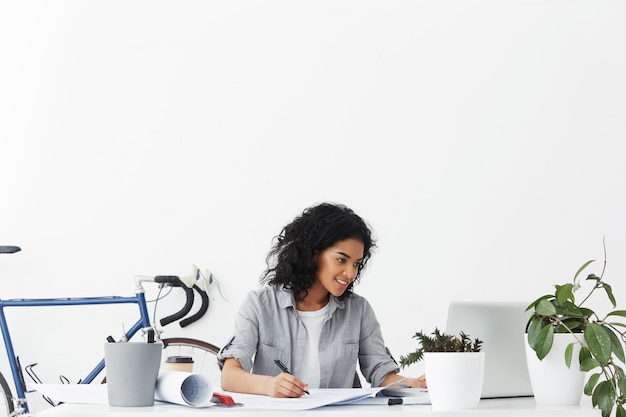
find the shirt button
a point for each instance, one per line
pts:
(322, 347)
(323, 371)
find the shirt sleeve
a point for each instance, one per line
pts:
(374, 358)
(242, 346)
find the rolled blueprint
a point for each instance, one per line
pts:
(183, 388)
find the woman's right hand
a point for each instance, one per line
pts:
(236, 379)
(285, 385)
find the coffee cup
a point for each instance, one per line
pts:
(179, 363)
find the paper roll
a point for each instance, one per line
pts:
(184, 388)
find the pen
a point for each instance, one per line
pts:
(286, 370)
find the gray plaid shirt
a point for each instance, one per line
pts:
(267, 328)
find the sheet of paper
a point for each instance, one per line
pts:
(390, 397)
(183, 388)
(74, 393)
(321, 397)
(193, 390)
(318, 398)
(405, 392)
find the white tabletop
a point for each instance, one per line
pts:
(517, 407)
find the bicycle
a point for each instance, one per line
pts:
(203, 353)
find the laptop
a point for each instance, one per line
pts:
(501, 326)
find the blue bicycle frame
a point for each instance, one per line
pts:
(142, 323)
(139, 299)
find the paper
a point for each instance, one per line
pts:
(405, 392)
(74, 393)
(424, 400)
(322, 397)
(194, 390)
(184, 388)
(318, 398)
(176, 387)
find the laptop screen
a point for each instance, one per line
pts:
(501, 326)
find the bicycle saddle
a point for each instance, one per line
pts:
(9, 249)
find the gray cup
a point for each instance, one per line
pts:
(131, 371)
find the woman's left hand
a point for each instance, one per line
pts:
(419, 382)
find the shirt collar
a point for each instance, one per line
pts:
(286, 299)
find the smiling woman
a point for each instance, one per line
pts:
(338, 267)
(307, 316)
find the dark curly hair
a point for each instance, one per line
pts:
(291, 264)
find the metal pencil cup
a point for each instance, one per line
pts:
(131, 371)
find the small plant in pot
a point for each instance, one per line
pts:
(450, 361)
(439, 341)
(600, 337)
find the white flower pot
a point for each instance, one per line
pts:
(455, 379)
(552, 381)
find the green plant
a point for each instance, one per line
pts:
(440, 342)
(600, 338)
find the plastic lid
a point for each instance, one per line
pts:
(179, 359)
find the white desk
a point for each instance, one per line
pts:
(516, 407)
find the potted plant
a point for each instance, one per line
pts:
(599, 338)
(450, 361)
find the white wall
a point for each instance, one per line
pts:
(483, 140)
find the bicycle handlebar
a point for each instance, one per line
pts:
(175, 281)
(9, 249)
(171, 280)
(203, 308)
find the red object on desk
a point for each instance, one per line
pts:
(223, 399)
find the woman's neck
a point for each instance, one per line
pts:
(314, 300)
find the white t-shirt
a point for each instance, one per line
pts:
(313, 322)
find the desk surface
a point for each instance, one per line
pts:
(517, 407)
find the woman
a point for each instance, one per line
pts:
(306, 319)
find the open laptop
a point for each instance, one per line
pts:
(501, 326)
